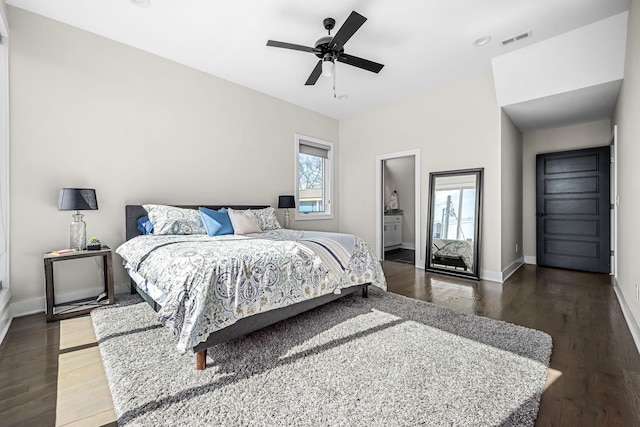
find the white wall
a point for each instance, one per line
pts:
(511, 196)
(588, 56)
(584, 135)
(399, 175)
(87, 111)
(456, 127)
(627, 119)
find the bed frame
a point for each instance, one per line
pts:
(243, 326)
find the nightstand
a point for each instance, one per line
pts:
(79, 307)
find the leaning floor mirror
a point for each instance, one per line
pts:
(453, 234)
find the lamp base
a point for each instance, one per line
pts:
(286, 218)
(78, 234)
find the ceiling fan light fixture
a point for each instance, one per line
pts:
(327, 66)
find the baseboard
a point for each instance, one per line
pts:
(492, 276)
(6, 313)
(4, 326)
(28, 306)
(408, 245)
(122, 288)
(515, 265)
(528, 259)
(37, 305)
(628, 315)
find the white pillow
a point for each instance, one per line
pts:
(244, 222)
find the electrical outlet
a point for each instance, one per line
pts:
(637, 292)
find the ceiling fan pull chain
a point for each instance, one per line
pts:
(334, 80)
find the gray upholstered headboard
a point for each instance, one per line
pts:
(133, 212)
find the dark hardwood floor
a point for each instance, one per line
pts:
(29, 372)
(595, 366)
(597, 382)
(407, 256)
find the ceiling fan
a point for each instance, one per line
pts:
(330, 49)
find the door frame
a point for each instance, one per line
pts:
(380, 159)
(615, 200)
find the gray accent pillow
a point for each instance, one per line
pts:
(173, 220)
(267, 218)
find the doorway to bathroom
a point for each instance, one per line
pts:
(398, 207)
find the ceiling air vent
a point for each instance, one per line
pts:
(516, 38)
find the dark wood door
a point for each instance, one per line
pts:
(572, 208)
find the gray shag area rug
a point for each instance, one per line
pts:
(386, 360)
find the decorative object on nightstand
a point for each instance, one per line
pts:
(77, 199)
(94, 244)
(64, 310)
(286, 202)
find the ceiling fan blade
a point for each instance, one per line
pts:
(350, 26)
(365, 64)
(313, 78)
(292, 46)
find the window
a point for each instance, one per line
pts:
(314, 161)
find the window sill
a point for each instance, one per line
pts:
(311, 217)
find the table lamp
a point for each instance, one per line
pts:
(286, 202)
(77, 199)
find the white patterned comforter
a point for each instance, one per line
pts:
(211, 282)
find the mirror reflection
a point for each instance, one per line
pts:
(454, 222)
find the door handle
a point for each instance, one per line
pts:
(540, 214)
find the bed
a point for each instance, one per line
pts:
(453, 253)
(210, 289)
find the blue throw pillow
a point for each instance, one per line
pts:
(217, 222)
(144, 225)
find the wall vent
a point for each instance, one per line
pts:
(516, 38)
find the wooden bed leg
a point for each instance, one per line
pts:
(201, 360)
(365, 292)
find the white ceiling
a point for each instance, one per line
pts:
(423, 43)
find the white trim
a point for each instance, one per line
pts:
(328, 179)
(28, 306)
(37, 305)
(6, 310)
(122, 288)
(417, 201)
(515, 265)
(614, 197)
(408, 245)
(6, 313)
(628, 314)
(492, 276)
(528, 259)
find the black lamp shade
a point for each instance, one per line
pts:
(285, 202)
(77, 199)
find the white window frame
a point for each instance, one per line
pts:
(328, 178)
